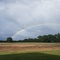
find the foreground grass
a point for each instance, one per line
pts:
(30, 54)
(46, 55)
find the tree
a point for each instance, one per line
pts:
(9, 39)
(58, 37)
(40, 38)
(51, 38)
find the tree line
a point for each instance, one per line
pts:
(40, 38)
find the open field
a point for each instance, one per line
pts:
(12, 47)
(29, 51)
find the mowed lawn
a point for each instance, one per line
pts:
(53, 54)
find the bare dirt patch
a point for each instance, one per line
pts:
(7, 47)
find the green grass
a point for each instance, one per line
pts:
(30, 55)
(47, 55)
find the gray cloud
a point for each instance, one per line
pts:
(18, 15)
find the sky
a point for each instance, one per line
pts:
(22, 19)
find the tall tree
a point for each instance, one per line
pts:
(9, 39)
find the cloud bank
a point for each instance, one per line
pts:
(29, 18)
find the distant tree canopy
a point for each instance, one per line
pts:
(43, 38)
(9, 39)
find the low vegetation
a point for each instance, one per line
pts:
(29, 51)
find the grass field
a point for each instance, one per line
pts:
(29, 51)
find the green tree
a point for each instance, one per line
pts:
(40, 38)
(9, 39)
(50, 38)
(58, 37)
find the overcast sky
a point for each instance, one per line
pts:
(29, 18)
